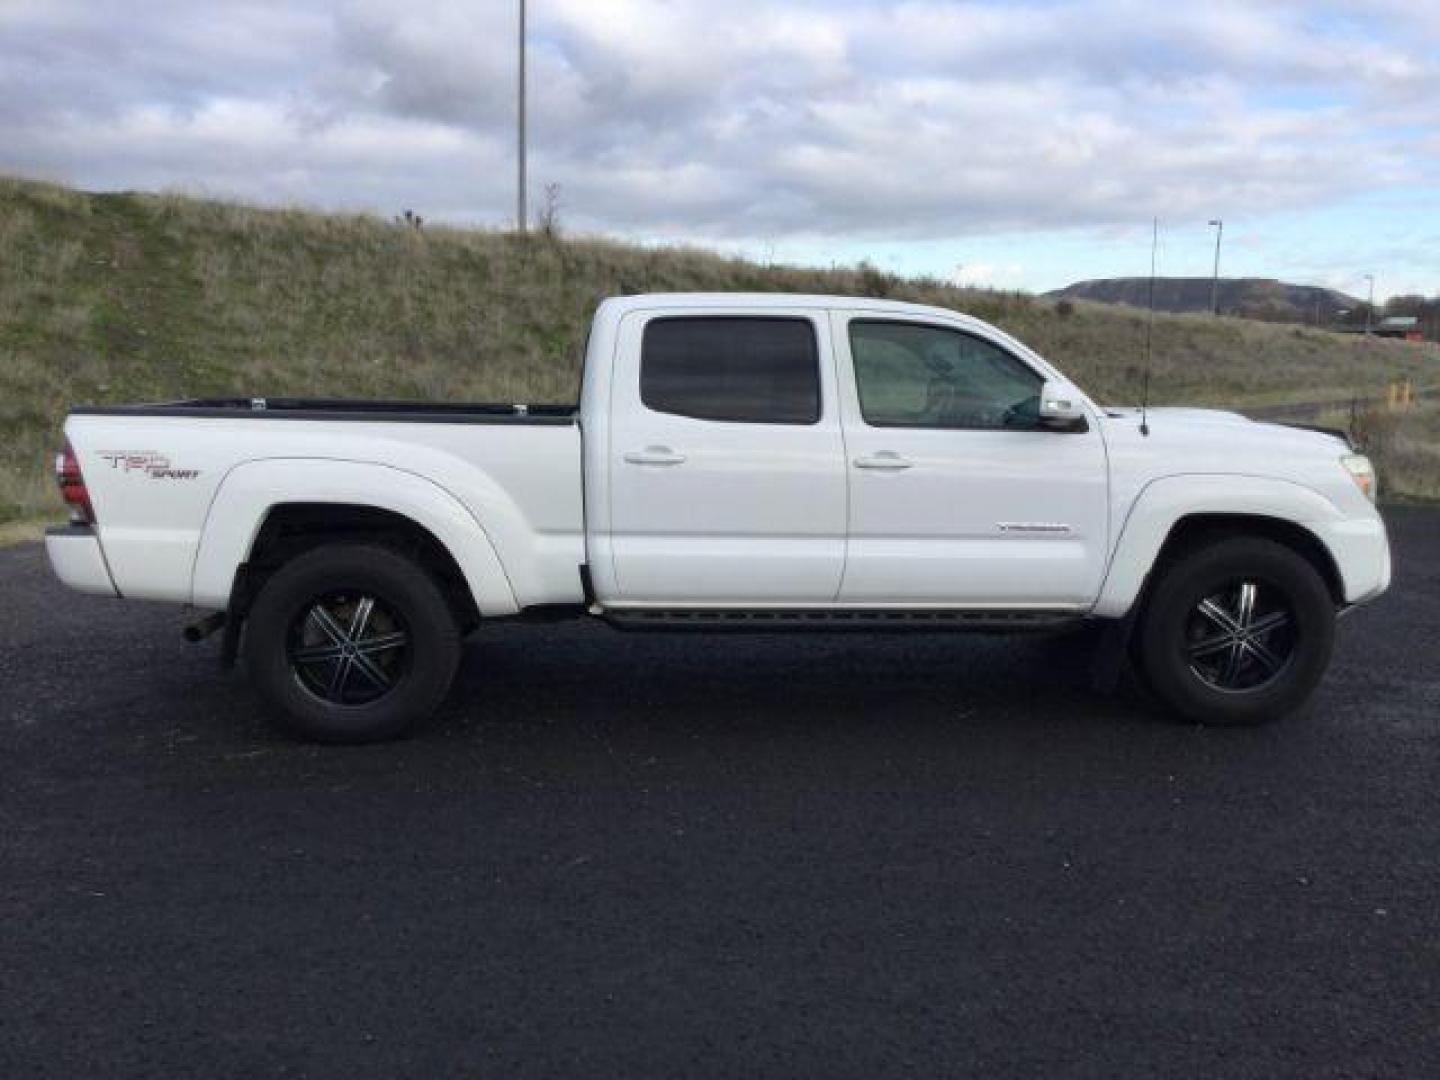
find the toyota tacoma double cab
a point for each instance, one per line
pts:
(769, 462)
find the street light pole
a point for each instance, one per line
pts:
(1370, 304)
(1215, 278)
(520, 182)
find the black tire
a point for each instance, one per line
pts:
(402, 649)
(1209, 660)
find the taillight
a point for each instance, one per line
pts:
(72, 486)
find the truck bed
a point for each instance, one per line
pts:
(172, 480)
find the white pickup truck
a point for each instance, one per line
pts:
(769, 462)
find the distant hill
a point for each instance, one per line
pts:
(1254, 298)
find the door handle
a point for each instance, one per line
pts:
(655, 455)
(885, 459)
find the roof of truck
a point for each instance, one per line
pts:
(774, 300)
(738, 302)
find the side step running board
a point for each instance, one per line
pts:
(771, 621)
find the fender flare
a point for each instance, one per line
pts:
(250, 491)
(1165, 501)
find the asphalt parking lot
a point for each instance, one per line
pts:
(681, 855)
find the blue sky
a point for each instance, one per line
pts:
(1022, 144)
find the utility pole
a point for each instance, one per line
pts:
(1370, 305)
(520, 212)
(1215, 278)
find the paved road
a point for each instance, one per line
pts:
(685, 855)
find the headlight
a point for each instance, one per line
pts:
(1362, 472)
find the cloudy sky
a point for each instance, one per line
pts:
(1021, 144)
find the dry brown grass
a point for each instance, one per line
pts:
(27, 531)
(1405, 446)
(133, 297)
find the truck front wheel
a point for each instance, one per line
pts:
(1237, 632)
(351, 643)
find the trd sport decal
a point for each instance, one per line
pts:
(155, 466)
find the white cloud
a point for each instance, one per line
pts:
(743, 121)
(989, 275)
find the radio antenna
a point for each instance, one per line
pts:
(1149, 330)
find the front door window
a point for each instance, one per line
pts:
(911, 375)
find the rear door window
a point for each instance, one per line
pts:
(739, 369)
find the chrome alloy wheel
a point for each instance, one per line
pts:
(348, 649)
(1242, 637)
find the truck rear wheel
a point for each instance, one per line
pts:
(1238, 632)
(351, 643)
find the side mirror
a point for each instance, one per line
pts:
(1060, 409)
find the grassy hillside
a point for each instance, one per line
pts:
(126, 297)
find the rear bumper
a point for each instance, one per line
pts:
(77, 560)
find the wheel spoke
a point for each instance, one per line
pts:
(1210, 646)
(1218, 615)
(372, 671)
(1265, 623)
(1245, 606)
(1267, 659)
(361, 618)
(381, 643)
(327, 624)
(338, 678)
(1231, 669)
(317, 654)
